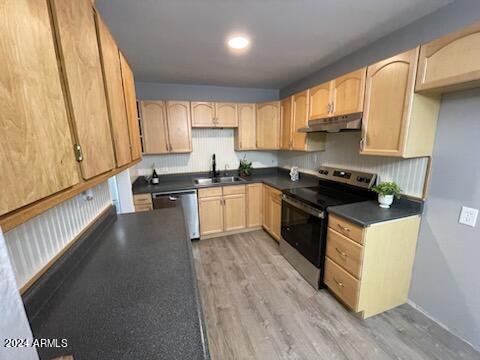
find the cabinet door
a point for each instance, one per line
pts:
(132, 112)
(349, 92)
(451, 62)
(287, 119)
(245, 138)
(114, 89)
(211, 215)
(300, 119)
(319, 101)
(154, 124)
(203, 114)
(389, 91)
(254, 205)
(268, 125)
(179, 126)
(234, 212)
(275, 214)
(77, 38)
(35, 135)
(266, 218)
(226, 115)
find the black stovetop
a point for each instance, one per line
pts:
(329, 193)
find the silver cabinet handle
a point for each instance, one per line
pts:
(344, 228)
(332, 107)
(339, 283)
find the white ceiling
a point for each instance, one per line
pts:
(183, 41)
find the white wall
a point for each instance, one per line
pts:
(342, 150)
(34, 243)
(205, 142)
(13, 320)
(446, 274)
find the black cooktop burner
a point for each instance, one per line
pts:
(326, 194)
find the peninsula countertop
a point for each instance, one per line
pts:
(134, 295)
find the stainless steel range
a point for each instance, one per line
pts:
(305, 217)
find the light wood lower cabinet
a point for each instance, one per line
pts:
(143, 202)
(369, 269)
(234, 211)
(211, 215)
(272, 211)
(254, 205)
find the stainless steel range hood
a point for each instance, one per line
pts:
(335, 124)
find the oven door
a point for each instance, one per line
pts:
(304, 228)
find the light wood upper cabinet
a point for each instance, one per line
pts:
(287, 121)
(245, 138)
(179, 126)
(131, 104)
(300, 119)
(268, 125)
(35, 133)
(80, 57)
(154, 125)
(397, 122)
(226, 115)
(203, 114)
(319, 101)
(114, 89)
(348, 92)
(166, 127)
(450, 62)
(254, 205)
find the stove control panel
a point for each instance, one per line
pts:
(351, 177)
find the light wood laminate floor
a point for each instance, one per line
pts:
(256, 306)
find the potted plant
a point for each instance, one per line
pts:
(386, 191)
(245, 168)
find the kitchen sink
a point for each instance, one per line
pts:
(218, 180)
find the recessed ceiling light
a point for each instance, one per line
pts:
(238, 42)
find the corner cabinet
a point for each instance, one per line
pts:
(80, 58)
(397, 121)
(450, 62)
(268, 126)
(245, 134)
(35, 131)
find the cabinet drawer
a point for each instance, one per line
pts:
(139, 208)
(209, 192)
(345, 252)
(341, 283)
(142, 199)
(346, 228)
(235, 189)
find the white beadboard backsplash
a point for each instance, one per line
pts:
(33, 244)
(342, 150)
(205, 142)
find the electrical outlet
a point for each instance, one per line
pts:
(468, 216)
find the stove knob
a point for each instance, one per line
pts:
(367, 180)
(325, 172)
(360, 179)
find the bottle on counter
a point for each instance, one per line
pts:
(155, 179)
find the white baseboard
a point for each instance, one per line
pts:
(424, 312)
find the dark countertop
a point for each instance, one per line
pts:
(276, 177)
(133, 296)
(366, 213)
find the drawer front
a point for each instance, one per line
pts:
(139, 208)
(341, 283)
(234, 189)
(142, 199)
(345, 252)
(210, 192)
(346, 228)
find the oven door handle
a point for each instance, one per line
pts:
(304, 208)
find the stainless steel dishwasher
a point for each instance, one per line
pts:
(187, 199)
